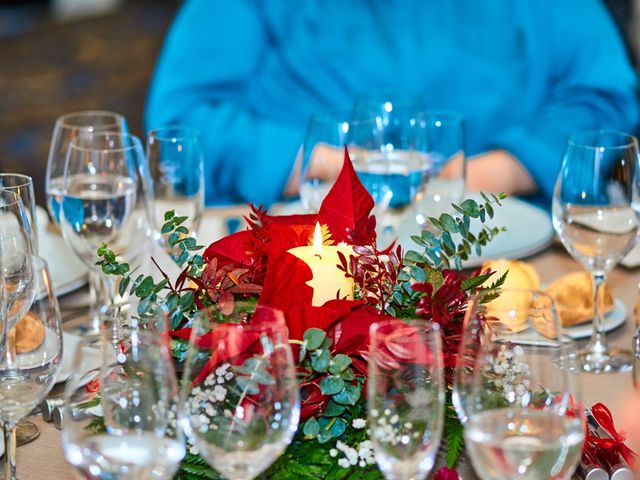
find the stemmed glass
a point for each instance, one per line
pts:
(395, 174)
(405, 397)
(16, 266)
(595, 213)
(136, 399)
(176, 164)
(22, 186)
(517, 394)
(30, 357)
(68, 128)
(106, 198)
(239, 403)
(444, 167)
(323, 149)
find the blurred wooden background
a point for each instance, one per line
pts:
(54, 62)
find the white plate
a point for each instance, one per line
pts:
(529, 231)
(612, 320)
(632, 259)
(67, 271)
(70, 342)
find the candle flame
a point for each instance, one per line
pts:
(317, 240)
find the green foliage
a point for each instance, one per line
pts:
(453, 435)
(440, 250)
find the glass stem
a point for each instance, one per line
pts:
(10, 472)
(109, 314)
(96, 301)
(598, 343)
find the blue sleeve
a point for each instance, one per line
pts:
(211, 54)
(592, 86)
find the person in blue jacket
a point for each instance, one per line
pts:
(525, 74)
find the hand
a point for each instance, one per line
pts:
(498, 171)
(326, 164)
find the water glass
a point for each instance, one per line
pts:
(106, 198)
(395, 174)
(595, 214)
(67, 129)
(22, 186)
(444, 168)
(519, 396)
(240, 404)
(119, 421)
(29, 358)
(405, 396)
(176, 164)
(16, 259)
(323, 149)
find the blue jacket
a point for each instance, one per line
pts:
(249, 73)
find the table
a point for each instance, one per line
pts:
(43, 459)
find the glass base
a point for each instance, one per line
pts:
(610, 361)
(27, 432)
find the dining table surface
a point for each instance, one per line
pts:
(43, 459)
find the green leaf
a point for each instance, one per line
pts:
(247, 384)
(313, 338)
(413, 257)
(338, 427)
(331, 385)
(349, 396)
(471, 208)
(320, 360)
(348, 375)
(334, 409)
(169, 215)
(186, 301)
(145, 288)
(122, 287)
(311, 428)
(448, 223)
(454, 437)
(166, 228)
(473, 282)
(339, 363)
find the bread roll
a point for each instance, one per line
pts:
(573, 295)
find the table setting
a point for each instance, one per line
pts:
(386, 324)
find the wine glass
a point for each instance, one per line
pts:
(67, 128)
(595, 214)
(323, 149)
(16, 265)
(176, 165)
(136, 401)
(239, 402)
(444, 167)
(394, 175)
(30, 358)
(106, 198)
(22, 185)
(520, 398)
(405, 396)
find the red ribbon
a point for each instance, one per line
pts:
(614, 444)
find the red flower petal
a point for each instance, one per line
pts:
(347, 205)
(445, 473)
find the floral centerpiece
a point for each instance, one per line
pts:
(328, 320)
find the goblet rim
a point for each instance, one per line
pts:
(631, 140)
(135, 143)
(187, 133)
(28, 180)
(429, 325)
(63, 120)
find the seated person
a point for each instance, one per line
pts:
(249, 73)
